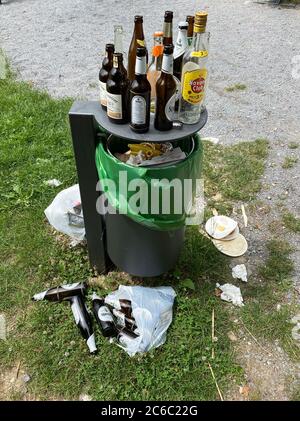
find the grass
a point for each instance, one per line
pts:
(36, 146)
(291, 222)
(236, 87)
(289, 162)
(261, 314)
(293, 145)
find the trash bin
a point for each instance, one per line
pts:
(145, 243)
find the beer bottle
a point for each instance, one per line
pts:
(83, 321)
(103, 316)
(190, 32)
(117, 91)
(181, 47)
(155, 66)
(165, 89)
(123, 321)
(168, 28)
(62, 292)
(140, 95)
(126, 307)
(107, 65)
(138, 40)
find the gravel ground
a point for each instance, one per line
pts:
(58, 46)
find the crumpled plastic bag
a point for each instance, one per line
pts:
(152, 309)
(231, 294)
(57, 213)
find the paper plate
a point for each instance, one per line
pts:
(232, 235)
(220, 226)
(232, 248)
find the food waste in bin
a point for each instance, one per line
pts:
(147, 153)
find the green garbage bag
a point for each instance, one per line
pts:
(147, 194)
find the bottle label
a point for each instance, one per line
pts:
(193, 86)
(167, 65)
(203, 53)
(168, 29)
(141, 42)
(138, 110)
(105, 315)
(141, 66)
(181, 44)
(114, 106)
(103, 97)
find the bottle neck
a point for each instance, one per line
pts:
(139, 33)
(200, 41)
(141, 66)
(168, 33)
(167, 64)
(181, 43)
(118, 41)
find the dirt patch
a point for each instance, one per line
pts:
(13, 384)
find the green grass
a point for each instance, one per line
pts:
(291, 222)
(36, 146)
(260, 314)
(236, 87)
(293, 145)
(289, 162)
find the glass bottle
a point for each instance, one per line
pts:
(103, 316)
(190, 32)
(165, 90)
(138, 40)
(155, 66)
(107, 65)
(62, 292)
(118, 42)
(140, 95)
(194, 73)
(117, 91)
(180, 49)
(168, 28)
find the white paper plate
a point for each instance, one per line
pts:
(220, 226)
(232, 248)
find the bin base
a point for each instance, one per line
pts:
(141, 251)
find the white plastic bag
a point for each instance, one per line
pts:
(152, 311)
(57, 212)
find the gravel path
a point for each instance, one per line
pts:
(58, 46)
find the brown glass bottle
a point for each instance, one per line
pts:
(168, 28)
(117, 91)
(190, 32)
(140, 95)
(107, 65)
(138, 40)
(165, 89)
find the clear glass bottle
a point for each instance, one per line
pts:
(194, 73)
(118, 42)
(155, 66)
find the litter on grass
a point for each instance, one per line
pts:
(240, 272)
(65, 213)
(53, 183)
(231, 294)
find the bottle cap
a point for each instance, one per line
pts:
(200, 21)
(141, 51)
(183, 25)
(168, 16)
(138, 18)
(110, 47)
(158, 34)
(169, 49)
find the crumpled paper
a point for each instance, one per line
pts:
(231, 294)
(240, 272)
